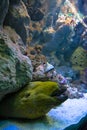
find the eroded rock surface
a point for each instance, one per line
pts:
(18, 18)
(15, 68)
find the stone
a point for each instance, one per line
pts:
(34, 10)
(4, 4)
(18, 18)
(15, 68)
(37, 10)
(36, 56)
(79, 59)
(15, 38)
(33, 101)
(35, 14)
(59, 44)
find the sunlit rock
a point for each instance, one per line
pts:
(15, 38)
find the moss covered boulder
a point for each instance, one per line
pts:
(79, 59)
(33, 101)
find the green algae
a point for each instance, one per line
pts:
(31, 102)
(79, 59)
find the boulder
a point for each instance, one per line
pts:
(79, 59)
(43, 14)
(15, 38)
(59, 43)
(18, 18)
(35, 14)
(15, 68)
(33, 101)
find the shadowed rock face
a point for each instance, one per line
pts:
(33, 101)
(20, 13)
(18, 18)
(82, 4)
(4, 4)
(35, 14)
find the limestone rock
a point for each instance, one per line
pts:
(45, 12)
(18, 18)
(79, 59)
(15, 38)
(35, 13)
(15, 68)
(33, 101)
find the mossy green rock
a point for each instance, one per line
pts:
(33, 101)
(79, 59)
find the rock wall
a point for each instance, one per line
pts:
(15, 18)
(23, 15)
(18, 18)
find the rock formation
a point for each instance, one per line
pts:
(15, 17)
(25, 23)
(18, 18)
(15, 68)
(79, 59)
(33, 101)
